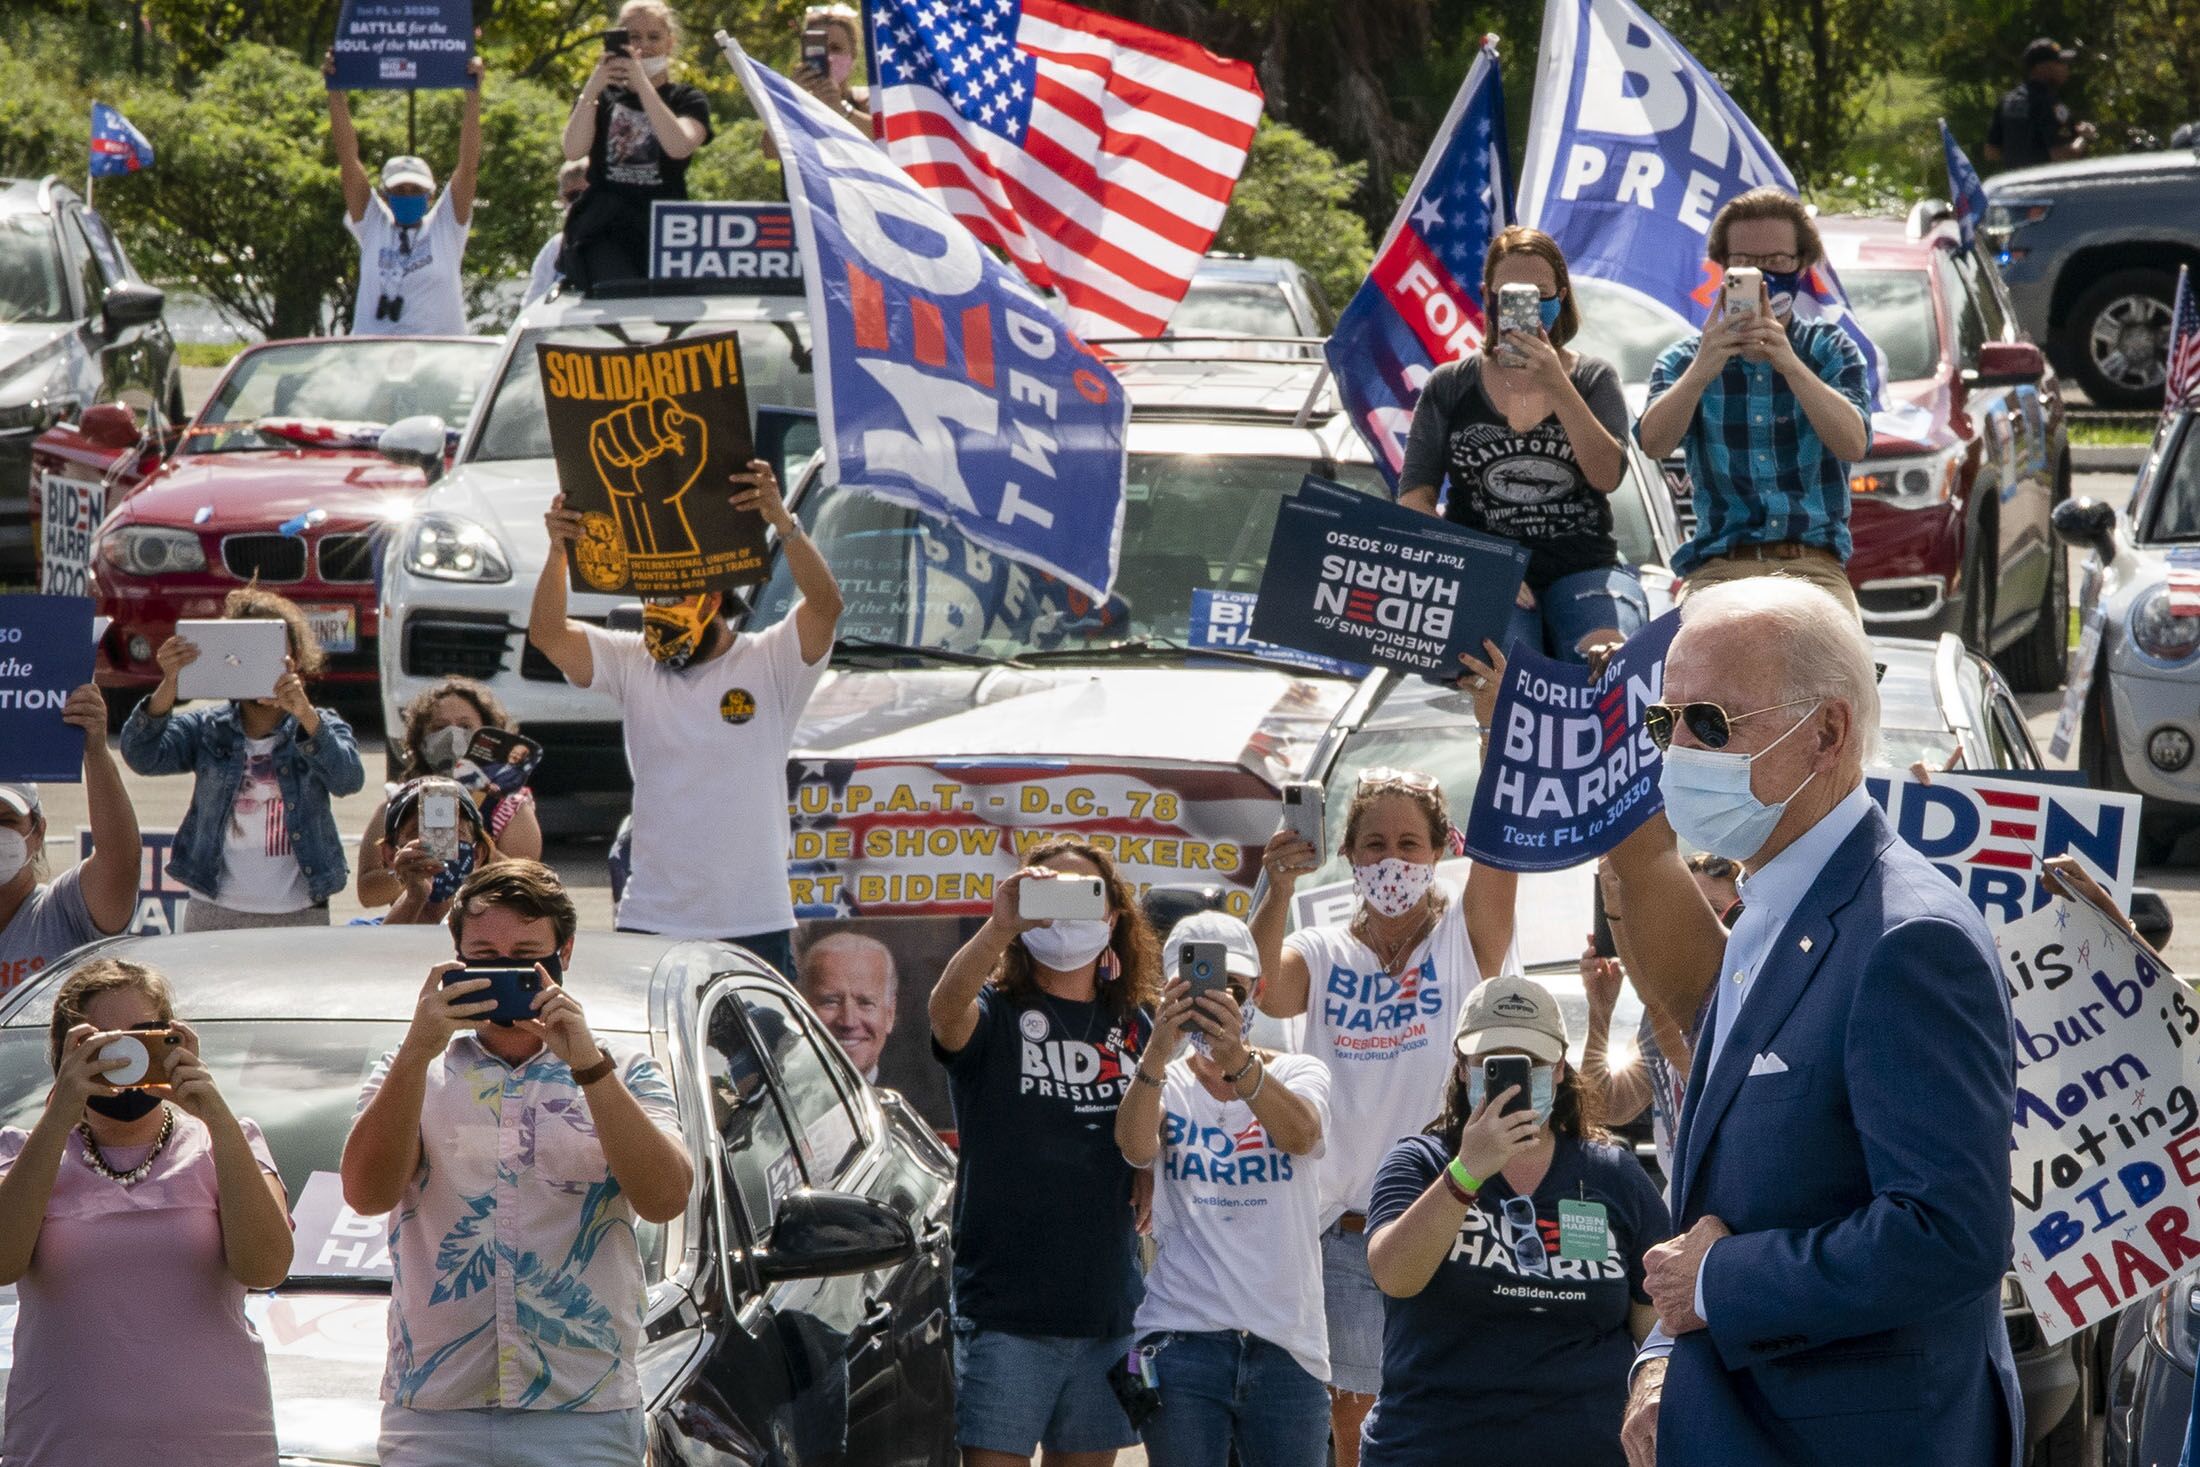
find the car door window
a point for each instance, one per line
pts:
(1970, 325)
(824, 1127)
(760, 1152)
(1983, 296)
(83, 264)
(102, 240)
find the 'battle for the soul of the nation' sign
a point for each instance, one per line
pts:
(645, 439)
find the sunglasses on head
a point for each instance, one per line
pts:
(1708, 723)
(1384, 777)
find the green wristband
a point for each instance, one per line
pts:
(1467, 1180)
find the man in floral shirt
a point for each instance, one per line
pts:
(513, 1161)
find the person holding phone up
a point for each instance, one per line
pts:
(1527, 434)
(1510, 1238)
(514, 1153)
(436, 839)
(1040, 1018)
(439, 726)
(1770, 410)
(134, 1215)
(258, 846)
(1232, 1326)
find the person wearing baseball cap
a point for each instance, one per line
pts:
(2033, 124)
(411, 242)
(1509, 1237)
(1232, 1323)
(95, 897)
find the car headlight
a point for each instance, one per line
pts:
(1909, 483)
(152, 550)
(445, 547)
(2160, 632)
(2005, 217)
(2172, 1324)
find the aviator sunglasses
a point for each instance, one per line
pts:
(1710, 724)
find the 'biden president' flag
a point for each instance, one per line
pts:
(943, 383)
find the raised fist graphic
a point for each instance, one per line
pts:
(649, 454)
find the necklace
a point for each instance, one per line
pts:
(1365, 931)
(138, 1173)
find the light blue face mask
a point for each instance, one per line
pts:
(1709, 802)
(1550, 310)
(1542, 1087)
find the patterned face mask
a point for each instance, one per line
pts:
(453, 875)
(1393, 886)
(1246, 1011)
(674, 628)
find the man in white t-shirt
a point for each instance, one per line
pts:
(411, 242)
(709, 714)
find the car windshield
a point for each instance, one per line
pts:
(1911, 725)
(1895, 308)
(31, 284)
(342, 380)
(1234, 310)
(1192, 523)
(1618, 326)
(775, 357)
(297, 1080)
(2176, 515)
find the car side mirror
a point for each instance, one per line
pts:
(2088, 524)
(2007, 364)
(132, 304)
(2150, 917)
(827, 1234)
(417, 442)
(109, 425)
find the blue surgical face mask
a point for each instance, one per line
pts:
(1550, 309)
(1542, 1089)
(408, 209)
(1709, 802)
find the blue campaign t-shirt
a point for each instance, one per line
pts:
(1527, 1368)
(1043, 1237)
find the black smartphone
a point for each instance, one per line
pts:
(1501, 1071)
(1203, 965)
(512, 987)
(1602, 931)
(816, 36)
(614, 42)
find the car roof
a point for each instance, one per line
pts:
(348, 973)
(1868, 242)
(572, 308)
(1251, 269)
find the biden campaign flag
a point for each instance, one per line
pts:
(1968, 194)
(943, 383)
(1421, 304)
(1632, 148)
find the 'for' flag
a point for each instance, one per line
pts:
(1097, 154)
(1421, 304)
(1632, 148)
(117, 147)
(1963, 183)
(943, 382)
(2181, 368)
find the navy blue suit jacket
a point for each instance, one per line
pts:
(1855, 1315)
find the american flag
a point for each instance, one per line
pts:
(2181, 380)
(2183, 583)
(1097, 154)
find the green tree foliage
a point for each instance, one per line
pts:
(1295, 200)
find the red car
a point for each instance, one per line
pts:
(279, 480)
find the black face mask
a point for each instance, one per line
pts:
(551, 964)
(130, 1105)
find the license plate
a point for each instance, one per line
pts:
(337, 627)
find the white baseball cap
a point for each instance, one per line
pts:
(1511, 1013)
(20, 798)
(405, 168)
(1240, 956)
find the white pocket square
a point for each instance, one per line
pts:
(1768, 1063)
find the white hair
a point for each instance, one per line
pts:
(1822, 647)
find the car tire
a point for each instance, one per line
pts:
(1978, 595)
(2036, 664)
(2113, 307)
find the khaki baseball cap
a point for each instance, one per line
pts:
(1511, 1013)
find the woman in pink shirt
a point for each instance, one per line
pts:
(132, 1221)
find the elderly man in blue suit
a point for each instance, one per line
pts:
(1841, 1176)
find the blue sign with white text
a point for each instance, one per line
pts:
(1223, 621)
(1571, 771)
(45, 654)
(944, 383)
(750, 245)
(403, 45)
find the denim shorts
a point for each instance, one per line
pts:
(1355, 1310)
(1221, 1389)
(493, 1437)
(1019, 1393)
(1571, 607)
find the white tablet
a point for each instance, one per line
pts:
(237, 659)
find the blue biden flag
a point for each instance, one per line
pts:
(45, 654)
(943, 383)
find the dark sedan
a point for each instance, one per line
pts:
(797, 1312)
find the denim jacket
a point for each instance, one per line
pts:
(210, 742)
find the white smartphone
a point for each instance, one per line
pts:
(237, 659)
(439, 825)
(1067, 898)
(1302, 812)
(1739, 295)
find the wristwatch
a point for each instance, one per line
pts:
(597, 1071)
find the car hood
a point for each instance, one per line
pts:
(506, 496)
(25, 341)
(269, 487)
(1261, 721)
(2122, 168)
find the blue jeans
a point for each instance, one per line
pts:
(1573, 606)
(1226, 1387)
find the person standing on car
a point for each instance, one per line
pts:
(131, 1224)
(1040, 1025)
(93, 898)
(1770, 410)
(638, 132)
(543, 276)
(258, 846)
(1529, 437)
(1373, 990)
(1232, 1320)
(1510, 1238)
(709, 715)
(2032, 125)
(411, 241)
(514, 1161)
(439, 725)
